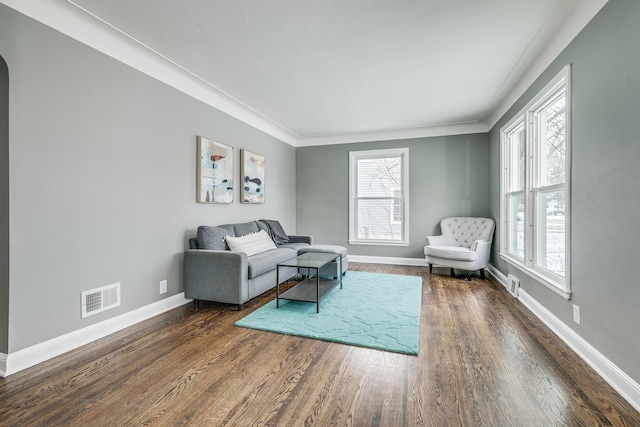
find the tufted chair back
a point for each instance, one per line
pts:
(466, 230)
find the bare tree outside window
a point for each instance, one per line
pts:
(379, 180)
(551, 221)
(378, 196)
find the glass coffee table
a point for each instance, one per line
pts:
(313, 288)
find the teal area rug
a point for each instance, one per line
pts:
(374, 310)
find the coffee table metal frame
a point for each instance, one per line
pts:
(313, 288)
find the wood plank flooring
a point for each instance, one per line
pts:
(484, 360)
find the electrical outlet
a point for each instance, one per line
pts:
(163, 287)
(576, 314)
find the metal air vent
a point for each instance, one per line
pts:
(513, 285)
(100, 299)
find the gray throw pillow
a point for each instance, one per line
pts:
(213, 237)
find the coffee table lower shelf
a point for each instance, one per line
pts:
(309, 291)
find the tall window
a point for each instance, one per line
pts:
(535, 175)
(378, 193)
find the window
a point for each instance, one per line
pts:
(378, 197)
(535, 184)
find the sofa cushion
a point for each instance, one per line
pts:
(244, 228)
(266, 261)
(451, 252)
(213, 237)
(296, 246)
(251, 244)
(330, 249)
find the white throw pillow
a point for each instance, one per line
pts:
(251, 244)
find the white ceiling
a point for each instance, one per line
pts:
(329, 70)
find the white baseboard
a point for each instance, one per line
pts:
(3, 365)
(387, 260)
(497, 274)
(618, 379)
(30, 356)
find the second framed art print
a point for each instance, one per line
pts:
(252, 173)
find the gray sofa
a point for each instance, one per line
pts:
(212, 272)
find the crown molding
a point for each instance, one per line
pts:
(389, 135)
(72, 20)
(526, 72)
(79, 24)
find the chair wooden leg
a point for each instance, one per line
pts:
(430, 268)
(453, 274)
(482, 273)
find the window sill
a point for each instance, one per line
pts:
(566, 294)
(377, 243)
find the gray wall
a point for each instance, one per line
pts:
(4, 207)
(102, 183)
(448, 176)
(605, 217)
(102, 180)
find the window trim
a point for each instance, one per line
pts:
(354, 156)
(549, 280)
(507, 185)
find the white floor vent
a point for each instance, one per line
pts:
(513, 285)
(101, 299)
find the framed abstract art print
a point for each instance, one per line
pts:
(252, 173)
(215, 172)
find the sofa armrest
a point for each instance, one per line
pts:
(301, 239)
(216, 275)
(483, 249)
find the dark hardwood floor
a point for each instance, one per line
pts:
(484, 360)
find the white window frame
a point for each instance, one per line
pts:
(354, 156)
(556, 283)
